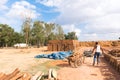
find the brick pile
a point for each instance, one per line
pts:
(102, 43)
(115, 52)
(62, 45)
(113, 58)
(65, 45)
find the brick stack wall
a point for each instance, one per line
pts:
(102, 43)
(62, 45)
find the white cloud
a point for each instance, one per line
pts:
(89, 37)
(2, 5)
(22, 9)
(17, 12)
(99, 16)
(50, 3)
(14, 23)
(72, 28)
(90, 19)
(94, 36)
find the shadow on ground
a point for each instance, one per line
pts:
(108, 71)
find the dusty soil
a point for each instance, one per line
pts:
(103, 71)
(87, 71)
(24, 60)
(11, 58)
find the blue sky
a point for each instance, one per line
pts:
(90, 19)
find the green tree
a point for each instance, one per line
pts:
(17, 38)
(43, 32)
(38, 32)
(52, 36)
(6, 34)
(48, 29)
(26, 27)
(71, 36)
(59, 32)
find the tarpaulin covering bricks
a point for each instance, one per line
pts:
(55, 55)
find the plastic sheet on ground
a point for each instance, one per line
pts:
(56, 55)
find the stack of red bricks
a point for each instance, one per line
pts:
(102, 43)
(62, 45)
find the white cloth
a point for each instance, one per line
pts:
(98, 49)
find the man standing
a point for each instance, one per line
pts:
(96, 51)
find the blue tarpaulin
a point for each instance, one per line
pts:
(56, 55)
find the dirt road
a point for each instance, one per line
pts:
(103, 71)
(24, 59)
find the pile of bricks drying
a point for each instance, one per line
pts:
(113, 58)
(115, 52)
(62, 45)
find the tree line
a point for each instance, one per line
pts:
(36, 33)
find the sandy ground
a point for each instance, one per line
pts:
(19, 58)
(103, 71)
(24, 58)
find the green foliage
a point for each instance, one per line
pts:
(43, 32)
(49, 32)
(17, 38)
(71, 36)
(59, 33)
(37, 34)
(26, 27)
(6, 34)
(49, 28)
(8, 37)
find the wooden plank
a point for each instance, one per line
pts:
(9, 76)
(18, 76)
(39, 78)
(2, 76)
(26, 76)
(37, 75)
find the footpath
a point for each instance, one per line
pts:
(87, 71)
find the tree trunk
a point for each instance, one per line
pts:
(38, 43)
(6, 45)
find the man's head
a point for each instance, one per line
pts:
(96, 43)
